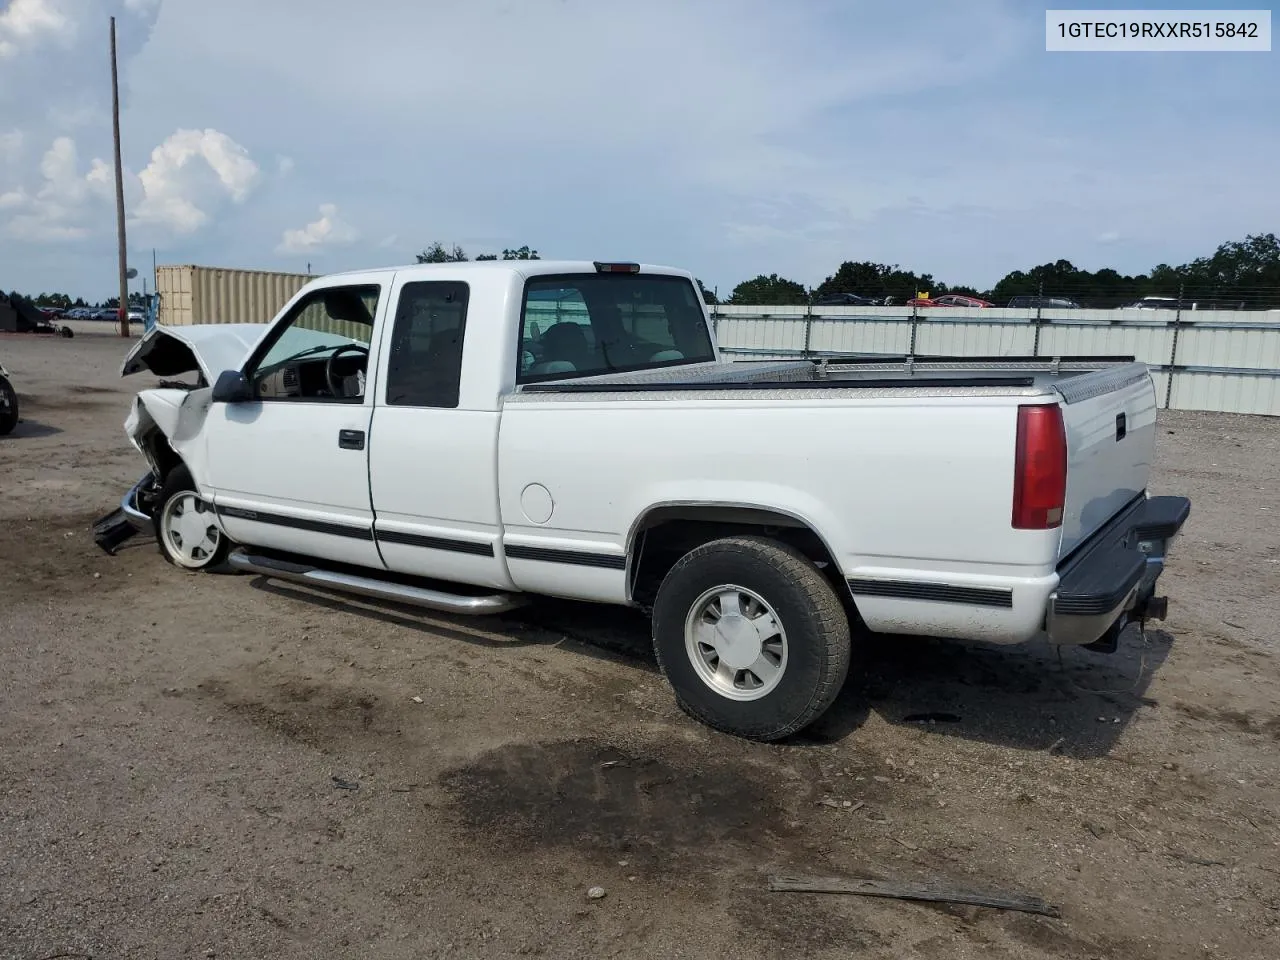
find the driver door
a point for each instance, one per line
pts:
(289, 467)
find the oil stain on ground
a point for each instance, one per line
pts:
(709, 831)
(309, 713)
(600, 800)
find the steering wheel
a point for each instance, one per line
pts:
(335, 384)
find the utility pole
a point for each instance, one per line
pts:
(115, 122)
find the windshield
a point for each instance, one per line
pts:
(585, 324)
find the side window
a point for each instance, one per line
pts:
(320, 350)
(425, 365)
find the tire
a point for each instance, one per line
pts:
(799, 668)
(8, 407)
(178, 497)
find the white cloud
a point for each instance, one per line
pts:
(188, 172)
(56, 210)
(388, 241)
(141, 6)
(326, 231)
(284, 165)
(30, 21)
(1110, 236)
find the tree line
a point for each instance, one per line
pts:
(62, 301)
(438, 253)
(1242, 274)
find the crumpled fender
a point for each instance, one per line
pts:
(178, 415)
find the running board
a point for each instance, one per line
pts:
(373, 587)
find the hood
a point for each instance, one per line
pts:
(209, 347)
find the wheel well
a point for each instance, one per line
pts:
(667, 533)
(164, 459)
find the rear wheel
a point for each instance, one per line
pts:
(751, 636)
(8, 407)
(186, 527)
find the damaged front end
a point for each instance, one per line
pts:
(165, 424)
(133, 516)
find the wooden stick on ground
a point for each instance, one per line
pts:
(910, 891)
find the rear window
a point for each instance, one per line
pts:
(584, 324)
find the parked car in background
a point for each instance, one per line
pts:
(107, 314)
(8, 404)
(1156, 304)
(80, 313)
(949, 300)
(1043, 303)
(846, 300)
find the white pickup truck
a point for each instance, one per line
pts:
(463, 436)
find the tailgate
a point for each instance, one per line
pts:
(1110, 420)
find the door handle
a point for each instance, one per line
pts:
(351, 439)
(1122, 426)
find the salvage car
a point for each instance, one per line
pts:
(8, 403)
(464, 436)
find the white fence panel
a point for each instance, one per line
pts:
(1226, 392)
(1148, 342)
(859, 335)
(955, 338)
(1228, 346)
(761, 333)
(1227, 361)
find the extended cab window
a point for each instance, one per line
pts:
(585, 324)
(320, 350)
(425, 365)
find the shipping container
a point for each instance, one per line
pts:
(192, 294)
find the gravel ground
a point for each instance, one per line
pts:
(176, 754)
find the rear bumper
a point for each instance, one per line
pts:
(1111, 578)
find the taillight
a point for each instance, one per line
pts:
(1040, 468)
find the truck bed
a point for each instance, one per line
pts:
(1108, 407)
(864, 375)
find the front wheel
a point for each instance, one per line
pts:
(186, 527)
(752, 637)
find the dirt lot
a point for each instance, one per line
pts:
(169, 743)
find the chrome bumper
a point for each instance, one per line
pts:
(1111, 579)
(126, 521)
(138, 519)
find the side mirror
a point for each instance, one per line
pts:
(232, 387)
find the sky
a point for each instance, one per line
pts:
(728, 137)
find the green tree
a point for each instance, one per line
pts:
(708, 296)
(522, 253)
(1247, 270)
(771, 290)
(438, 253)
(878, 280)
(59, 300)
(487, 256)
